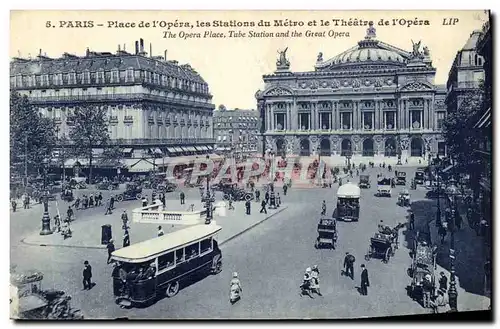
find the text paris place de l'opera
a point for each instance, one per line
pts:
(235, 23)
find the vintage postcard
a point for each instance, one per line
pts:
(250, 164)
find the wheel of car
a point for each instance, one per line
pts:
(248, 197)
(119, 197)
(218, 267)
(154, 186)
(172, 289)
(226, 196)
(138, 196)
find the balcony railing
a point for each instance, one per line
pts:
(163, 141)
(116, 97)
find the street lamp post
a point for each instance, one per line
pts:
(208, 199)
(46, 217)
(452, 191)
(319, 165)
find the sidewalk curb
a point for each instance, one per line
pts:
(252, 226)
(103, 247)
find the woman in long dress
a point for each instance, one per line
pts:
(235, 289)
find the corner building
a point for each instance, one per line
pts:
(373, 100)
(154, 105)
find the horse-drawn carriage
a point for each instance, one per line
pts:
(364, 181)
(384, 243)
(327, 233)
(400, 178)
(423, 265)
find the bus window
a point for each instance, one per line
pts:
(166, 261)
(192, 250)
(205, 245)
(179, 255)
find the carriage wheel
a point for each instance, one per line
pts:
(119, 197)
(226, 196)
(387, 255)
(248, 197)
(138, 196)
(110, 187)
(369, 254)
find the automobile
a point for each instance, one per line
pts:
(168, 261)
(400, 178)
(327, 233)
(133, 191)
(107, 185)
(384, 187)
(419, 177)
(364, 181)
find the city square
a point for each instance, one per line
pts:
(359, 187)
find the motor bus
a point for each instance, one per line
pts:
(155, 268)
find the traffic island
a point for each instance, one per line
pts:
(88, 233)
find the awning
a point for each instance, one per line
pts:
(447, 168)
(204, 148)
(210, 147)
(485, 120)
(197, 148)
(127, 150)
(157, 151)
(171, 149)
(142, 165)
(178, 149)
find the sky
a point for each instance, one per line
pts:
(233, 67)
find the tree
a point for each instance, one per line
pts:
(461, 138)
(90, 130)
(112, 156)
(32, 137)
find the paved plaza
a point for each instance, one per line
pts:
(269, 252)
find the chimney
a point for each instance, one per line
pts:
(124, 47)
(87, 52)
(40, 52)
(137, 47)
(141, 45)
(165, 55)
(150, 49)
(119, 48)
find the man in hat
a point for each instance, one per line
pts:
(441, 303)
(183, 197)
(349, 265)
(315, 280)
(412, 220)
(263, 207)
(365, 282)
(125, 220)
(126, 239)
(110, 247)
(87, 276)
(427, 290)
(443, 281)
(247, 206)
(323, 208)
(160, 231)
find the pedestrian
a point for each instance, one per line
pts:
(87, 276)
(91, 200)
(441, 303)
(99, 199)
(85, 202)
(112, 202)
(111, 247)
(315, 280)
(126, 239)
(266, 196)
(144, 201)
(108, 208)
(77, 203)
(163, 201)
(14, 205)
(412, 220)
(125, 220)
(57, 223)
(323, 208)
(160, 231)
(278, 200)
(285, 188)
(434, 255)
(231, 207)
(257, 196)
(458, 220)
(443, 281)
(263, 207)
(182, 196)
(427, 288)
(442, 233)
(69, 213)
(365, 283)
(247, 206)
(349, 265)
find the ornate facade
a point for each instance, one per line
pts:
(372, 100)
(150, 101)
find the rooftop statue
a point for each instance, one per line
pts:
(282, 60)
(416, 49)
(320, 57)
(370, 32)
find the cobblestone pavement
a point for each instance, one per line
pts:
(270, 259)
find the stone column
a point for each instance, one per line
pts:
(335, 123)
(288, 116)
(425, 124)
(407, 114)
(314, 118)
(268, 117)
(293, 116)
(432, 116)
